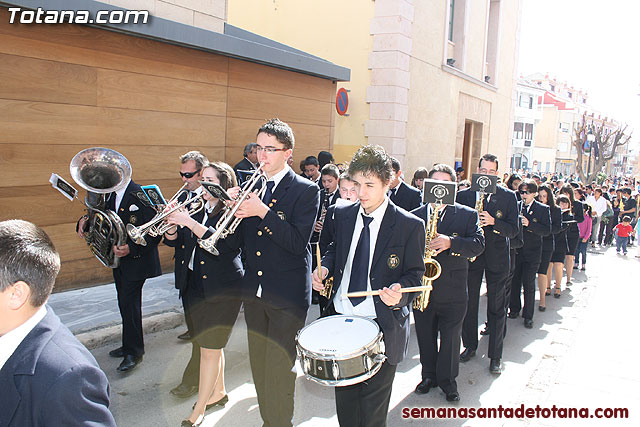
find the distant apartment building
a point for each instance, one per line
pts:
(432, 80)
(563, 110)
(528, 151)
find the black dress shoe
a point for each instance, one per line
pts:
(542, 308)
(183, 390)
(513, 315)
(425, 385)
(129, 363)
(495, 367)
(528, 323)
(118, 352)
(223, 401)
(187, 423)
(453, 396)
(467, 354)
(485, 331)
(186, 336)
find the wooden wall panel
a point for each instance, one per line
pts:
(64, 88)
(144, 92)
(30, 80)
(261, 78)
(251, 104)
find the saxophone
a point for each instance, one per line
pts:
(432, 268)
(479, 208)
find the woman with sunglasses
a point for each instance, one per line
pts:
(573, 234)
(209, 289)
(545, 196)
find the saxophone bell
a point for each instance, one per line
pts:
(433, 269)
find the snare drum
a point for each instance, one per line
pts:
(340, 350)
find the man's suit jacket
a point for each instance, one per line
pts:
(52, 380)
(277, 250)
(405, 196)
(397, 258)
(219, 274)
(142, 262)
(503, 207)
(460, 223)
(328, 230)
(244, 165)
(539, 226)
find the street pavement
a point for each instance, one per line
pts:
(580, 353)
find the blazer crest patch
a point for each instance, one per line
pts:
(282, 215)
(393, 261)
(498, 214)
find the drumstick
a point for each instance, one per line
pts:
(319, 259)
(374, 293)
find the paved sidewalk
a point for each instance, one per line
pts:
(579, 354)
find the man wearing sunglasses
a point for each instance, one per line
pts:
(275, 232)
(499, 220)
(191, 164)
(536, 223)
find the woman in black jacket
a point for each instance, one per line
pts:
(573, 234)
(212, 295)
(545, 196)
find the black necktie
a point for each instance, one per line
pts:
(360, 264)
(111, 202)
(269, 192)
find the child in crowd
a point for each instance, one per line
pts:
(584, 229)
(623, 231)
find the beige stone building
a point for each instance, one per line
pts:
(431, 81)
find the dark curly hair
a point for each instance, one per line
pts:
(281, 130)
(372, 160)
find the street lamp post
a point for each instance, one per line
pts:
(591, 139)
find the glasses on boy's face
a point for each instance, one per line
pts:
(269, 150)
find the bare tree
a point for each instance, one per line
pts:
(605, 145)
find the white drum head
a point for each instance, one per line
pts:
(338, 334)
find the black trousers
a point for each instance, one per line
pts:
(441, 365)
(191, 374)
(495, 306)
(130, 306)
(507, 284)
(272, 355)
(366, 404)
(524, 276)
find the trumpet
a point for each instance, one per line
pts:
(228, 223)
(158, 226)
(432, 268)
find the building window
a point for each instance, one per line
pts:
(451, 14)
(518, 161)
(526, 101)
(528, 131)
(518, 129)
(552, 87)
(564, 127)
(491, 48)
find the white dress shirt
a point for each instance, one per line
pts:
(365, 308)
(599, 206)
(12, 339)
(207, 210)
(120, 195)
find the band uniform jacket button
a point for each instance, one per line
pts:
(259, 273)
(258, 253)
(201, 262)
(259, 233)
(204, 277)
(183, 262)
(182, 246)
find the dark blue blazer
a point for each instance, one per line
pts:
(142, 262)
(52, 380)
(503, 207)
(278, 256)
(556, 227)
(326, 202)
(460, 223)
(539, 226)
(328, 230)
(407, 197)
(218, 274)
(401, 238)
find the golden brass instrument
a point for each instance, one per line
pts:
(328, 284)
(432, 268)
(228, 222)
(101, 171)
(157, 226)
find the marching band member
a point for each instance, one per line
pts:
(377, 246)
(536, 223)
(401, 194)
(545, 196)
(209, 289)
(275, 233)
(459, 238)
(499, 220)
